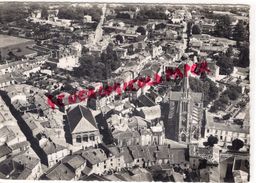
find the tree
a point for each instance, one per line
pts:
(233, 93)
(217, 105)
(189, 26)
(226, 64)
(206, 86)
(229, 51)
(211, 141)
(119, 38)
(240, 32)
(239, 122)
(237, 144)
(244, 57)
(226, 117)
(224, 99)
(141, 30)
(196, 29)
(223, 27)
(160, 26)
(44, 13)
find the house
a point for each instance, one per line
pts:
(87, 19)
(6, 80)
(158, 134)
(198, 153)
(83, 127)
(13, 137)
(225, 132)
(115, 161)
(138, 155)
(144, 100)
(4, 152)
(128, 160)
(166, 155)
(149, 113)
(95, 160)
(156, 51)
(126, 138)
(33, 169)
(241, 169)
(59, 172)
(21, 167)
(214, 70)
(195, 43)
(36, 14)
(171, 35)
(52, 153)
(68, 62)
(147, 156)
(210, 174)
(75, 163)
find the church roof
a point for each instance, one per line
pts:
(81, 120)
(176, 96)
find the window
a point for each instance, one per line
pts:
(183, 137)
(207, 130)
(138, 161)
(78, 139)
(221, 137)
(92, 137)
(85, 138)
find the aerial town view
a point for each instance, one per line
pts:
(124, 92)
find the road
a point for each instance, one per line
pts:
(99, 31)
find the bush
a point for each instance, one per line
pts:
(233, 93)
(196, 29)
(239, 122)
(224, 99)
(237, 144)
(211, 141)
(226, 117)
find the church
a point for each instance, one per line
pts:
(185, 114)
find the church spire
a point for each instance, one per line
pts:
(186, 87)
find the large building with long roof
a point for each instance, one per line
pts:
(185, 114)
(83, 127)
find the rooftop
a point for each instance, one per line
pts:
(60, 172)
(81, 120)
(94, 156)
(75, 161)
(212, 123)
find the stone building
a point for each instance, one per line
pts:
(83, 127)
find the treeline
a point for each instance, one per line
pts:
(12, 12)
(144, 13)
(95, 68)
(206, 86)
(78, 12)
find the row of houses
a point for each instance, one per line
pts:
(104, 159)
